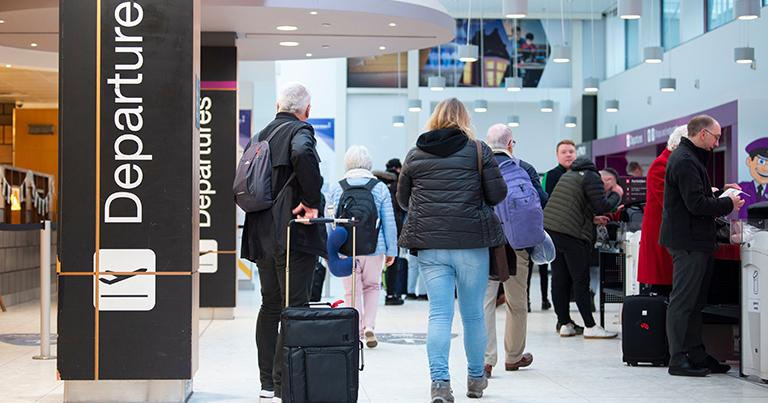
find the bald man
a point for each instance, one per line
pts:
(500, 139)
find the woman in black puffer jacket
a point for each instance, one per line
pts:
(450, 226)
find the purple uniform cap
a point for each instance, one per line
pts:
(758, 147)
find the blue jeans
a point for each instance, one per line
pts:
(443, 271)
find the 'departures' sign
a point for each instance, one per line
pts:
(218, 154)
(129, 195)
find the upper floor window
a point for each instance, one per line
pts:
(670, 23)
(719, 12)
(632, 51)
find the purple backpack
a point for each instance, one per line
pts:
(253, 178)
(521, 215)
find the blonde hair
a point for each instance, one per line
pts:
(451, 114)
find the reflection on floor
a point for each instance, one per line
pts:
(564, 369)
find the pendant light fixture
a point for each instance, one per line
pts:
(653, 54)
(667, 84)
(547, 105)
(468, 53)
(398, 121)
(591, 84)
(437, 83)
(570, 121)
(746, 9)
(414, 105)
(745, 55)
(561, 53)
(481, 106)
(513, 121)
(515, 8)
(630, 9)
(514, 83)
(612, 105)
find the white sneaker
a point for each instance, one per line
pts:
(567, 330)
(597, 332)
(277, 400)
(266, 394)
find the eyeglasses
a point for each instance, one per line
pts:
(513, 142)
(716, 136)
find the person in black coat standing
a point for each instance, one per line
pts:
(688, 232)
(296, 182)
(449, 184)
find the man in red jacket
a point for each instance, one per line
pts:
(654, 266)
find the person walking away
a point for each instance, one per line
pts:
(296, 182)
(500, 138)
(568, 218)
(362, 196)
(396, 275)
(688, 232)
(448, 185)
(654, 264)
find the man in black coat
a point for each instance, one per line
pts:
(296, 184)
(688, 232)
(397, 273)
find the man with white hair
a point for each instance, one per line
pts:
(501, 140)
(296, 184)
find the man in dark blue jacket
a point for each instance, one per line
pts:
(688, 232)
(502, 142)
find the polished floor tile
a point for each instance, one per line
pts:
(565, 370)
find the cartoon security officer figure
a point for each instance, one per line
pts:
(757, 189)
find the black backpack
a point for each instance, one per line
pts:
(357, 202)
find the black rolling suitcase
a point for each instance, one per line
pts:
(644, 332)
(322, 350)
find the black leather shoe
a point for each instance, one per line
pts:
(393, 300)
(685, 368)
(713, 365)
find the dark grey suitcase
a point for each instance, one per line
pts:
(322, 350)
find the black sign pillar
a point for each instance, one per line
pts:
(218, 154)
(129, 195)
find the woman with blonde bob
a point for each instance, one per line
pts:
(450, 227)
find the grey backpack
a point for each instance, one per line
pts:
(253, 179)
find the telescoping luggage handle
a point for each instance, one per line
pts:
(312, 221)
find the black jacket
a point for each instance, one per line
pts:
(690, 208)
(577, 198)
(502, 156)
(449, 206)
(292, 150)
(390, 179)
(552, 177)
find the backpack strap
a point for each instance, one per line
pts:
(344, 185)
(371, 184)
(275, 130)
(479, 148)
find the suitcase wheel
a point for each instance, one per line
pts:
(632, 363)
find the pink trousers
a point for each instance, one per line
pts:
(369, 270)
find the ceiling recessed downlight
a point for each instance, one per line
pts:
(289, 43)
(8, 66)
(313, 13)
(309, 54)
(287, 28)
(2, 21)
(392, 24)
(33, 44)
(382, 48)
